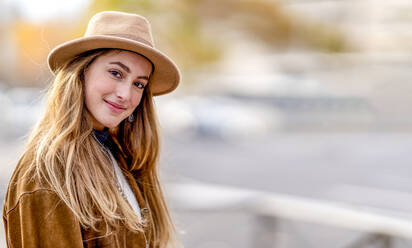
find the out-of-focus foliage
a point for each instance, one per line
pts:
(194, 33)
(25, 47)
(270, 23)
(191, 29)
(36, 40)
(177, 29)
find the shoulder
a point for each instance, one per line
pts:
(39, 218)
(37, 201)
(24, 185)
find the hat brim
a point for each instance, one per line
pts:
(164, 79)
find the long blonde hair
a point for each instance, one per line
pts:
(63, 153)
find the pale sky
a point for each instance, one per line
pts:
(40, 10)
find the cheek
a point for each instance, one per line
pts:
(88, 94)
(136, 100)
(95, 90)
(99, 86)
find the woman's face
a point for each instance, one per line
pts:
(114, 85)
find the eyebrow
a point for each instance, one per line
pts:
(127, 69)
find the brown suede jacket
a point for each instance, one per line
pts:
(35, 216)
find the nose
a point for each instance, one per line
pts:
(123, 91)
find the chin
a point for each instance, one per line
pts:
(110, 124)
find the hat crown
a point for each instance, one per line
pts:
(124, 31)
(120, 24)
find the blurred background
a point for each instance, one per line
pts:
(291, 127)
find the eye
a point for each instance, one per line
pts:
(139, 85)
(115, 73)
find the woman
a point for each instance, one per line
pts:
(88, 175)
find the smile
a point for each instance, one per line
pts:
(114, 107)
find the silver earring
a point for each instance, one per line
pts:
(130, 118)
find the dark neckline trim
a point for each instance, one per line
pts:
(102, 136)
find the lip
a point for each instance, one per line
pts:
(115, 107)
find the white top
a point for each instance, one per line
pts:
(131, 198)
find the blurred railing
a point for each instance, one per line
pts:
(380, 229)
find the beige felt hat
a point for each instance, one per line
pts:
(112, 29)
